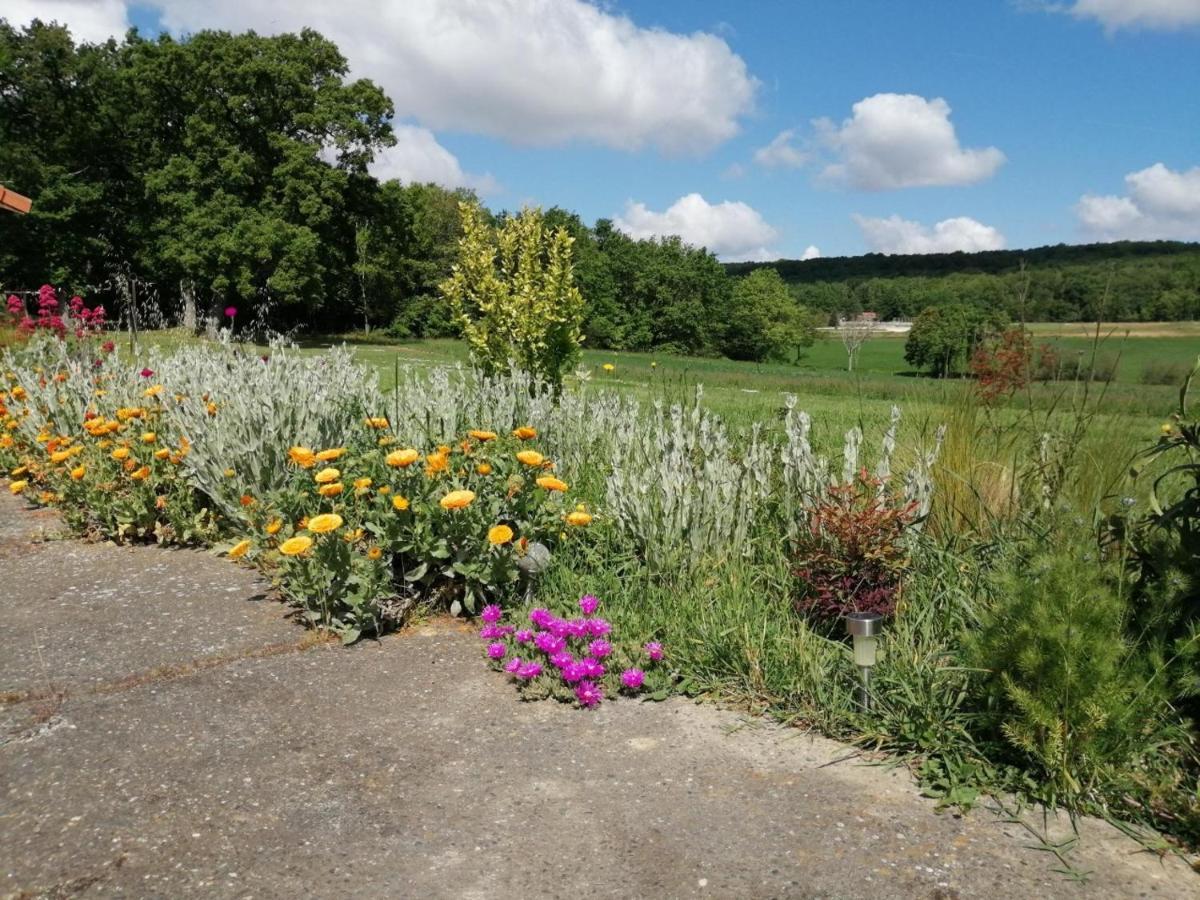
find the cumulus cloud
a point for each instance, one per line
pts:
(533, 72)
(418, 157)
(732, 230)
(90, 21)
(1162, 15)
(898, 141)
(811, 252)
(1161, 204)
(897, 235)
(781, 152)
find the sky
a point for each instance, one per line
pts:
(778, 128)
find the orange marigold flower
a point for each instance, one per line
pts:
(361, 484)
(273, 526)
(331, 490)
(296, 545)
(457, 500)
(402, 459)
(579, 519)
(384, 490)
(331, 454)
(120, 453)
(155, 391)
(17, 486)
(77, 473)
(400, 504)
(498, 535)
(484, 468)
(435, 463)
(550, 483)
(351, 536)
(324, 522)
(162, 453)
(483, 435)
(149, 437)
(302, 457)
(525, 433)
(141, 474)
(238, 550)
(129, 465)
(211, 409)
(377, 422)
(530, 457)
(374, 553)
(61, 456)
(326, 476)
(246, 500)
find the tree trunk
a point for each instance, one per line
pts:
(187, 290)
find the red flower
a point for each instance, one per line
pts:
(147, 373)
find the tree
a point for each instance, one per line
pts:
(764, 322)
(854, 333)
(943, 337)
(513, 293)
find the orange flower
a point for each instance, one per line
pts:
(579, 518)
(149, 437)
(238, 550)
(457, 500)
(524, 433)
(498, 535)
(296, 545)
(162, 453)
(377, 423)
(141, 474)
(530, 457)
(361, 484)
(273, 526)
(550, 483)
(484, 468)
(120, 453)
(61, 456)
(437, 462)
(374, 553)
(331, 490)
(246, 500)
(327, 476)
(211, 409)
(302, 457)
(77, 473)
(402, 459)
(483, 435)
(400, 504)
(330, 455)
(155, 391)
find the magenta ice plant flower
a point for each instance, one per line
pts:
(496, 650)
(599, 648)
(562, 660)
(633, 678)
(491, 614)
(540, 617)
(573, 672)
(491, 632)
(591, 668)
(588, 604)
(588, 694)
(513, 666)
(524, 636)
(598, 627)
(230, 312)
(529, 671)
(654, 650)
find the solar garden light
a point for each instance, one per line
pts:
(864, 628)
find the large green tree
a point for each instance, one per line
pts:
(763, 320)
(943, 337)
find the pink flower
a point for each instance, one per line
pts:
(491, 614)
(599, 648)
(588, 604)
(588, 694)
(230, 312)
(108, 346)
(524, 636)
(573, 672)
(529, 671)
(540, 617)
(147, 373)
(633, 678)
(496, 650)
(490, 632)
(576, 628)
(562, 660)
(591, 668)
(654, 650)
(598, 627)
(548, 643)
(513, 666)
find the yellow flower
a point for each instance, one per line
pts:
(525, 433)
(608, 367)
(1167, 428)
(499, 535)
(579, 518)
(331, 455)
(330, 490)
(302, 457)
(457, 500)
(653, 364)
(273, 526)
(141, 474)
(162, 453)
(361, 484)
(19, 471)
(211, 409)
(154, 391)
(229, 473)
(437, 462)
(6, 441)
(550, 483)
(386, 440)
(238, 550)
(325, 476)
(374, 553)
(384, 490)
(77, 473)
(129, 465)
(400, 504)
(351, 536)
(149, 437)
(377, 423)
(120, 453)
(530, 457)
(295, 546)
(17, 486)
(125, 413)
(61, 456)
(483, 435)
(325, 522)
(18, 393)
(484, 468)
(402, 459)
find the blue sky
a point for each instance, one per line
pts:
(1009, 123)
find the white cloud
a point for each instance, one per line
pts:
(897, 235)
(901, 140)
(1161, 204)
(418, 157)
(781, 152)
(732, 230)
(535, 72)
(1163, 15)
(811, 252)
(91, 21)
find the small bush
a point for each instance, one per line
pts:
(1162, 371)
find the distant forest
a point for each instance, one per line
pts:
(1126, 281)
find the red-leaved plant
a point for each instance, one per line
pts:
(853, 555)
